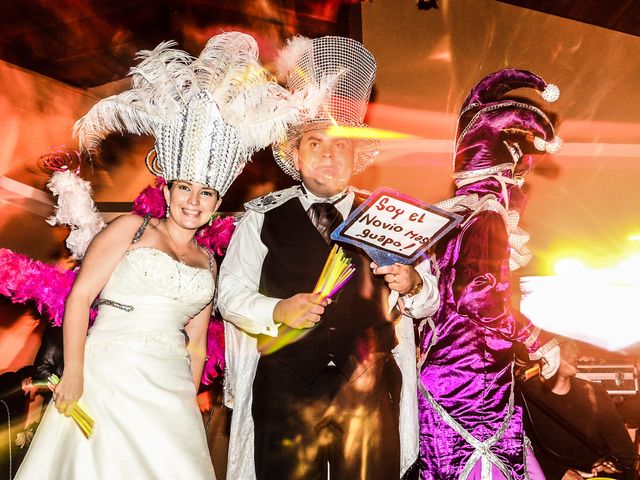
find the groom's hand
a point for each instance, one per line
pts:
(300, 311)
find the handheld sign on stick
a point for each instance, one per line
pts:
(395, 228)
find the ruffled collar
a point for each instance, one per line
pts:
(519, 255)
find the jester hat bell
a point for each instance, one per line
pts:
(494, 132)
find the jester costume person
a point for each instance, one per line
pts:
(470, 419)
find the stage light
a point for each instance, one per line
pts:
(597, 306)
(634, 237)
(628, 270)
(569, 266)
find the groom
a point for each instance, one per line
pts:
(334, 389)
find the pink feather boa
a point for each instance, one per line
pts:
(214, 365)
(23, 279)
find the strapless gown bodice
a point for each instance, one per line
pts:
(149, 291)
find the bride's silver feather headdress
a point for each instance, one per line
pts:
(208, 114)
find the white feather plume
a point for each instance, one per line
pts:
(289, 56)
(126, 112)
(228, 66)
(310, 98)
(161, 83)
(164, 76)
(248, 97)
(265, 111)
(76, 209)
(228, 60)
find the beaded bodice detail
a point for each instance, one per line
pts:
(163, 294)
(146, 271)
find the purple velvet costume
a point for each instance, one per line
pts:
(467, 371)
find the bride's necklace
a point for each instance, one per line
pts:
(175, 247)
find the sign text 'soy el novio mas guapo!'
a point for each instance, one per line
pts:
(392, 227)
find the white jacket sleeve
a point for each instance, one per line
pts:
(239, 301)
(426, 302)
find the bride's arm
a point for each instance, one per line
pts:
(197, 331)
(101, 258)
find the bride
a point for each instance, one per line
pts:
(138, 369)
(133, 373)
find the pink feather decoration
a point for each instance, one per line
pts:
(214, 366)
(217, 236)
(23, 279)
(151, 201)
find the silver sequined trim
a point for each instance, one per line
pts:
(105, 301)
(273, 200)
(542, 351)
(532, 337)
(142, 228)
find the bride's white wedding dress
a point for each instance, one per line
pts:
(137, 382)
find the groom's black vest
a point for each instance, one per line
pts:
(355, 330)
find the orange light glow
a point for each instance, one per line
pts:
(366, 133)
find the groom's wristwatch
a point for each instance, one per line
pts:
(416, 289)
